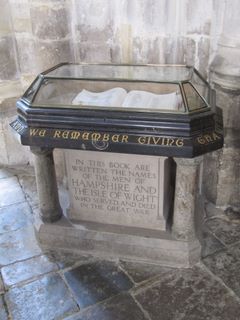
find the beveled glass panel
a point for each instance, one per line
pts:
(202, 87)
(124, 95)
(32, 90)
(194, 100)
(162, 73)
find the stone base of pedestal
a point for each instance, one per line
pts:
(110, 241)
(139, 242)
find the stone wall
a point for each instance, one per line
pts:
(35, 35)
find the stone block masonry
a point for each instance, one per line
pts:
(126, 190)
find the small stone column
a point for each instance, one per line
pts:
(50, 209)
(186, 198)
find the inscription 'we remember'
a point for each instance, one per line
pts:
(118, 189)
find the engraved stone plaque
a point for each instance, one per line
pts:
(118, 189)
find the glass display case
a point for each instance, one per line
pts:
(164, 110)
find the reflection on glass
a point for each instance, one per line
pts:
(81, 93)
(167, 73)
(201, 86)
(29, 94)
(194, 100)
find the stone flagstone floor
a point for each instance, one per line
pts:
(38, 284)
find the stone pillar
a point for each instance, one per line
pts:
(187, 190)
(225, 77)
(50, 209)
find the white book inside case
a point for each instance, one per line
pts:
(119, 97)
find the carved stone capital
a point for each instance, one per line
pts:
(41, 150)
(194, 162)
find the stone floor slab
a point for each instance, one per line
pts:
(45, 299)
(18, 245)
(28, 183)
(65, 259)
(232, 215)
(27, 269)
(226, 265)
(11, 192)
(96, 282)
(5, 173)
(228, 232)
(3, 312)
(212, 211)
(121, 307)
(210, 244)
(14, 217)
(143, 271)
(187, 295)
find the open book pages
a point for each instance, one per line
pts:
(110, 98)
(144, 99)
(118, 97)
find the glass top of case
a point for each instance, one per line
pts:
(141, 88)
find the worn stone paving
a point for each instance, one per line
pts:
(55, 284)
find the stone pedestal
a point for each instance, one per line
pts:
(50, 209)
(178, 246)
